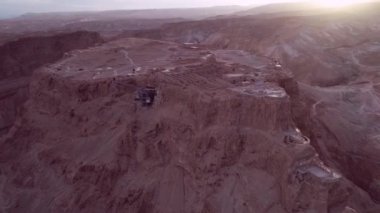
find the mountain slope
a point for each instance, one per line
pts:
(209, 141)
(334, 59)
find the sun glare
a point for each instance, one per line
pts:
(338, 3)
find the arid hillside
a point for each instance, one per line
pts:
(18, 60)
(216, 135)
(272, 113)
(292, 39)
(333, 57)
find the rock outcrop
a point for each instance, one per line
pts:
(337, 103)
(18, 60)
(210, 142)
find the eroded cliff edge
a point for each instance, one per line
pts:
(220, 136)
(18, 60)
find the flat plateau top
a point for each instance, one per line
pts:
(239, 71)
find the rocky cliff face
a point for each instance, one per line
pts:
(342, 122)
(220, 136)
(18, 60)
(13, 94)
(337, 103)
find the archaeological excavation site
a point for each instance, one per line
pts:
(267, 109)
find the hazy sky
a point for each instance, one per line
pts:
(16, 7)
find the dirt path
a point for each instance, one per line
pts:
(125, 52)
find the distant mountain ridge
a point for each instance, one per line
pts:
(307, 8)
(104, 20)
(187, 13)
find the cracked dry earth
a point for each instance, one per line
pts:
(220, 137)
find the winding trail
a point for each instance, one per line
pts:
(126, 55)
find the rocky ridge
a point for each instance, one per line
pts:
(219, 137)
